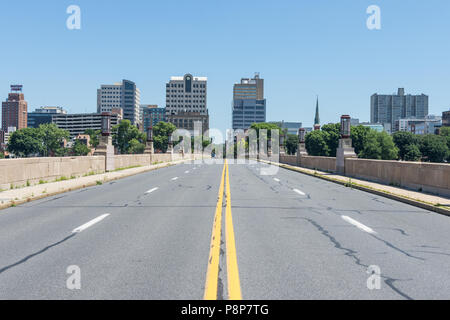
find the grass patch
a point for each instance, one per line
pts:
(63, 178)
(28, 183)
(125, 168)
(99, 183)
(91, 173)
(42, 181)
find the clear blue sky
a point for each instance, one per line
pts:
(302, 48)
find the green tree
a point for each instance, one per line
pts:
(332, 136)
(291, 144)
(403, 140)
(123, 134)
(25, 142)
(371, 149)
(94, 136)
(359, 137)
(136, 147)
(434, 148)
(80, 149)
(388, 149)
(267, 126)
(379, 146)
(161, 133)
(412, 153)
(445, 131)
(316, 143)
(52, 139)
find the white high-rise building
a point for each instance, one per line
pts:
(186, 94)
(124, 95)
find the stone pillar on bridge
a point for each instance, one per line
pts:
(105, 147)
(301, 148)
(170, 147)
(149, 143)
(345, 149)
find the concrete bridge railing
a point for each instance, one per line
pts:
(419, 176)
(31, 171)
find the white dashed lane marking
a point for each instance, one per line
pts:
(359, 225)
(90, 223)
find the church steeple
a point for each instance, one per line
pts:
(317, 118)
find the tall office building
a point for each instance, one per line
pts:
(186, 94)
(151, 115)
(186, 101)
(14, 109)
(249, 105)
(124, 95)
(43, 115)
(387, 109)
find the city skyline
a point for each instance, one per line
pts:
(341, 60)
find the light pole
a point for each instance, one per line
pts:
(345, 149)
(301, 147)
(170, 145)
(149, 143)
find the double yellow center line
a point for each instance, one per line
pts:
(212, 276)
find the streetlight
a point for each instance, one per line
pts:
(106, 124)
(345, 127)
(301, 135)
(150, 134)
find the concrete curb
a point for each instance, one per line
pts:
(413, 202)
(102, 177)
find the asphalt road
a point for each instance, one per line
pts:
(149, 236)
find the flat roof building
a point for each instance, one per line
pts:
(249, 105)
(43, 115)
(446, 118)
(78, 123)
(14, 109)
(387, 109)
(124, 95)
(151, 115)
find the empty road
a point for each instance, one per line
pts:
(195, 231)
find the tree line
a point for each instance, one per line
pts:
(372, 144)
(49, 141)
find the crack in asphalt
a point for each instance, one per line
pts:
(36, 253)
(432, 252)
(390, 245)
(403, 232)
(352, 254)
